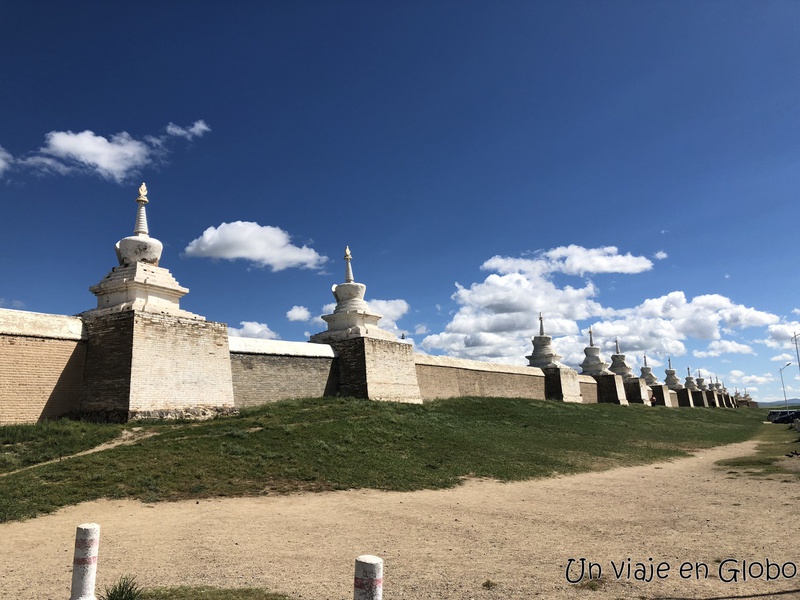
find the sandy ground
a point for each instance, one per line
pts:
(442, 544)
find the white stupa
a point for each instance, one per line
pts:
(671, 380)
(352, 317)
(618, 364)
(543, 355)
(689, 383)
(593, 364)
(647, 373)
(138, 283)
(701, 383)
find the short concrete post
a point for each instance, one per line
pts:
(368, 584)
(84, 565)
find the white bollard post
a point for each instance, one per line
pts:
(368, 584)
(84, 564)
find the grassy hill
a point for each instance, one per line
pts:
(340, 443)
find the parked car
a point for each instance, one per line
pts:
(774, 414)
(787, 417)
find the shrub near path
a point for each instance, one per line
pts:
(342, 443)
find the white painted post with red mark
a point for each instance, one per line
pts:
(368, 584)
(84, 564)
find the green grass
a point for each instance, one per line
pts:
(25, 445)
(336, 443)
(775, 442)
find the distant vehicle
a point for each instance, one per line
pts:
(787, 417)
(774, 414)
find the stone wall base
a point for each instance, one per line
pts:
(563, 385)
(377, 369)
(685, 398)
(610, 389)
(637, 391)
(141, 363)
(699, 398)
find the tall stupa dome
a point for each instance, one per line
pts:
(593, 364)
(139, 247)
(349, 295)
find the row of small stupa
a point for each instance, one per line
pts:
(544, 357)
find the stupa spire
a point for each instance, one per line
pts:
(348, 273)
(140, 228)
(541, 324)
(591, 337)
(616, 345)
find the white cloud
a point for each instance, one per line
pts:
(740, 378)
(197, 129)
(660, 255)
(298, 313)
(46, 165)
(117, 157)
(390, 311)
(112, 159)
(782, 358)
(253, 329)
(421, 329)
(571, 260)
(18, 304)
(780, 335)
(5, 160)
(718, 347)
(265, 245)
(496, 317)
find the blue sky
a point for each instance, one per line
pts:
(633, 166)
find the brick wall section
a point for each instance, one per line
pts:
(391, 372)
(637, 391)
(684, 397)
(179, 364)
(610, 389)
(107, 377)
(352, 368)
(562, 385)
(41, 365)
(144, 364)
(588, 389)
(661, 395)
(260, 378)
(699, 398)
(40, 378)
(445, 377)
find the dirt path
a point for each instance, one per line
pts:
(125, 438)
(439, 544)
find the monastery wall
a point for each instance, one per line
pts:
(42, 359)
(446, 377)
(139, 355)
(266, 371)
(588, 387)
(179, 364)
